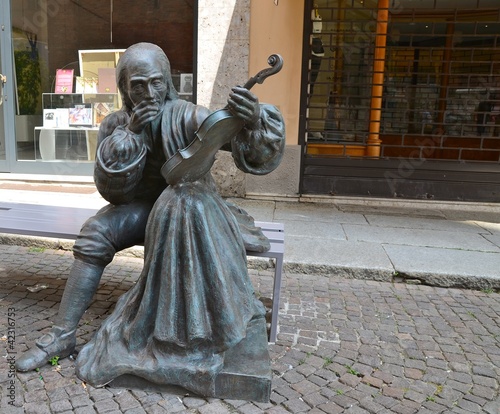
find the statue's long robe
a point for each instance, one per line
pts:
(193, 299)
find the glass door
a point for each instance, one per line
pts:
(40, 39)
(35, 146)
(5, 87)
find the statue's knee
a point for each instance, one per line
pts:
(93, 245)
(93, 225)
(102, 259)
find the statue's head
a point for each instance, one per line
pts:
(143, 58)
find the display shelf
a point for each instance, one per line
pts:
(59, 138)
(67, 143)
(61, 100)
(93, 60)
(68, 100)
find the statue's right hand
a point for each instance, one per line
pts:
(142, 114)
(120, 149)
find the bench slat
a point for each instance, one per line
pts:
(66, 222)
(276, 236)
(270, 225)
(276, 248)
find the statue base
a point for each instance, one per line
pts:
(246, 374)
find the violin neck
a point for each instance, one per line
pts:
(250, 83)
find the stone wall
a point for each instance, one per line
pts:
(223, 61)
(223, 45)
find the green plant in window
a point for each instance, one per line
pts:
(28, 81)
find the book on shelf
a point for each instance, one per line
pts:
(81, 115)
(64, 81)
(106, 80)
(86, 84)
(80, 85)
(101, 111)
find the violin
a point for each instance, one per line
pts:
(193, 162)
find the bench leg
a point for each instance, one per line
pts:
(276, 298)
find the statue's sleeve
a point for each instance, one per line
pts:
(259, 151)
(120, 160)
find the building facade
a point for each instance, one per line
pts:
(381, 98)
(402, 99)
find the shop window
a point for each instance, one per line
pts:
(48, 36)
(440, 90)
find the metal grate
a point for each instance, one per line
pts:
(340, 72)
(441, 80)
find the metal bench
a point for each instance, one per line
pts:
(65, 223)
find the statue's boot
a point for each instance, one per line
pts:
(61, 340)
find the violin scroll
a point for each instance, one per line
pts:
(276, 63)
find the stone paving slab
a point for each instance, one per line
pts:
(423, 223)
(315, 212)
(489, 227)
(344, 346)
(323, 237)
(420, 237)
(318, 230)
(260, 210)
(447, 267)
(357, 259)
(495, 239)
(392, 211)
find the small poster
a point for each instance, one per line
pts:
(80, 115)
(101, 111)
(49, 118)
(55, 118)
(64, 81)
(186, 83)
(62, 117)
(107, 80)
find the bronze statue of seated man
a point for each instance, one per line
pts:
(192, 234)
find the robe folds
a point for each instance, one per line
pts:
(194, 298)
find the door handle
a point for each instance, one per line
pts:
(3, 80)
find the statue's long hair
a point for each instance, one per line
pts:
(138, 51)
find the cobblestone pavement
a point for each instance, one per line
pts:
(344, 345)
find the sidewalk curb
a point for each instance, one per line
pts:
(474, 282)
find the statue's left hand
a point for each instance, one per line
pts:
(120, 149)
(245, 105)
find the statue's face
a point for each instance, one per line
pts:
(146, 81)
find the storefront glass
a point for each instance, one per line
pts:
(437, 93)
(340, 79)
(442, 85)
(6, 90)
(63, 59)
